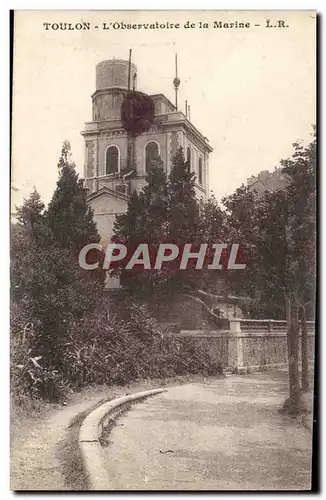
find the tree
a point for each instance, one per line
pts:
(279, 227)
(48, 283)
(183, 209)
(242, 227)
(145, 222)
(69, 217)
(30, 277)
(183, 219)
(212, 230)
(163, 212)
(26, 235)
(301, 192)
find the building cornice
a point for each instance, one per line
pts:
(165, 99)
(184, 123)
(161, 124)
(108, 90)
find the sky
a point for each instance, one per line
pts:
(251, 90)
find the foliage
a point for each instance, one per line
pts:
(166, 211)
(130, 349)
(68, 216)
(213, 229)
(144, 222)
(50, 291)
(102, 350)
(301, 194)
(62, 336)
(277, 234)
(183, 209)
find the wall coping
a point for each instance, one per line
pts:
(230, 335)
(243, 320)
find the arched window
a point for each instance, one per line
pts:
(112, 160)
(200, 171)
(151, 152)
(189, 158)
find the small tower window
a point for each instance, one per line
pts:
(189, 158)
(112, 160)
(200, 171)
(152, 152)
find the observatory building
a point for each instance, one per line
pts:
(107, 173)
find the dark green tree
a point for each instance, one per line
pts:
(213, 230)
(183, 208)
(144, 222)
(69, 217)
(164, 212)
(241, 227)
(279, 229)
(47, 280)
(301, 170)
(183, 219)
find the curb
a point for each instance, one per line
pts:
(91, 431)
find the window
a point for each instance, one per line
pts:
(152, 152)
(189, 158)
(200, 171)
(112, 160)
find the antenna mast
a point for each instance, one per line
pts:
(176, 82)
(130, 138)
(129, 70)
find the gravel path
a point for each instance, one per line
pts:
(37, 452)
(223, 435)
(44, 444)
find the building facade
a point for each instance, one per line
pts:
(267, 181)
(107, 172)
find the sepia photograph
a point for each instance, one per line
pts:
(163, 251)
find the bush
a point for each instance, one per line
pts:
(30, 376)
(109, 350)
(117, 351)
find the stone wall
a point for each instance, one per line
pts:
(258, 351)
(212, 341)
(243, 352)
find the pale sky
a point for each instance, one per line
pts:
(251, 91)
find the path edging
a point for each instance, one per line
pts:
(90, 433)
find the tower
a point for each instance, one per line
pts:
(107, 173)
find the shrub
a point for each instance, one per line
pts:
(104, 349)
(30, 376)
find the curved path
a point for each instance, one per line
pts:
(44, 448)
(226, 434)
(38, 451)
